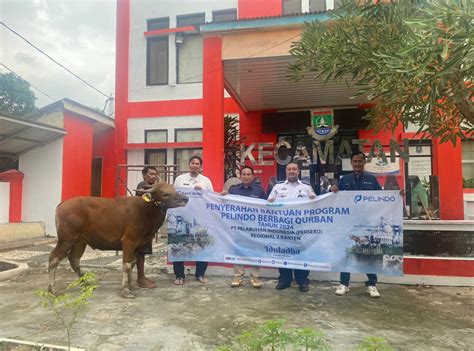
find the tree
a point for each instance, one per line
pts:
(414, 59)
(16, 98)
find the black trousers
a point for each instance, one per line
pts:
(286, 276)
(178, 268)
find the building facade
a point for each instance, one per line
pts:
(182, 66)
(64, 150)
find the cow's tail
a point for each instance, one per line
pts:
(56, 220)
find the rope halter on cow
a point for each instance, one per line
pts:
(147, 198)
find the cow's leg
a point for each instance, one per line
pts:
(75, 255)
(133, 286)
(55, 257)
(128, 255)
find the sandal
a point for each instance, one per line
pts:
(201, 280)
(179, 281)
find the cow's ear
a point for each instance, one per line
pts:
(158, 180)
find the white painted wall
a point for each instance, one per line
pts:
(136, 134)
(134, 157)
(4, 202)
(137, 126)
(140, 11)
(42, 183)
(468, 206)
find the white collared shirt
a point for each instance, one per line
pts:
(187, 181)
(295, 190)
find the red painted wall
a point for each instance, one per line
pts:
(175, 108)
(213, 111)
(15, 178)
(439, 267)
(448, 167)
(77, 157)
(102, 148)
(121, 82)
(251, 131)
(259, 8)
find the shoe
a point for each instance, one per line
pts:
(179, 281)
(201, 280)
(236, 282)
(341, 290)
(373, 292)
(256, 283)
(282, 286)
(304, 287)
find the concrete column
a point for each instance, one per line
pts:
(213, 111)
(447, 165)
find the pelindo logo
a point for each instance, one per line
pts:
(360, 198)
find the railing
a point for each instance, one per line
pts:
(166, 173)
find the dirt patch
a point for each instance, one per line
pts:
(201, 317)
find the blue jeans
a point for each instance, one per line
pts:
(346, 277)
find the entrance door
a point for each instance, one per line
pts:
(96, 178)
(317, 174)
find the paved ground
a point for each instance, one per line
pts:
(196, 317)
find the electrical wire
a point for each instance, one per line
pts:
(52, 59)
(23, 79)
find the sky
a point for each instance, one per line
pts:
(80, 34)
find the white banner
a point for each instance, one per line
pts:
(350, 231)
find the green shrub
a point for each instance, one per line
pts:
(272, 336)
(373, 343)
(67, 306)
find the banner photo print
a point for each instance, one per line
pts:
(348, 231)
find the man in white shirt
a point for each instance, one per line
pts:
(292, 188)
(195, 180)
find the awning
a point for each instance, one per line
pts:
(20, 135)
(256, 58)
(263, 84)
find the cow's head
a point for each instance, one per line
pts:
(164, 195)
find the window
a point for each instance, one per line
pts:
(156, 136)
(291, 7)
(157, 53)
(317, 5)
(158, 23)
(189, 57)
(190, 20)
(189, 50)
(188, 135)
(224, 15)
(157, 61)
(468, 163)
(181, 158)
(156, 158)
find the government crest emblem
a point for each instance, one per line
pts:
(322, 125)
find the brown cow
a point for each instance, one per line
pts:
(125, 223)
